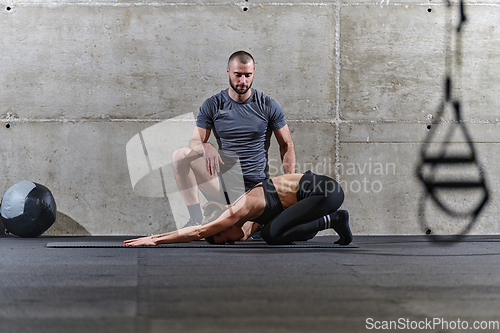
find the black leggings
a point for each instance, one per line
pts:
(317, 196)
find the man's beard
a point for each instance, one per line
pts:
(240, 92)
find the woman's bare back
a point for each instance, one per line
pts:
(286, 186)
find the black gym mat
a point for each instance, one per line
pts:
(198, 244)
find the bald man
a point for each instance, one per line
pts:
(242, 120)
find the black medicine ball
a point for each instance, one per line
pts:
(28, 209)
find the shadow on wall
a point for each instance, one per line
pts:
(65, 225)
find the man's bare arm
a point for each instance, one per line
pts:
(199, 143)
(199, 137)
(287, 149)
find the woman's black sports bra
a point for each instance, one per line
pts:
(273, 203)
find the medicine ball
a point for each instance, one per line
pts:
(28, 209)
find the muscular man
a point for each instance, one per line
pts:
(242, 120)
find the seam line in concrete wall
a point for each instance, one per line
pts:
(385, 4)
(88, 120)
(382, 4)
(145, 151)
(470, 121)
(323, 121)
(417, 142)
(337, 90)
(163, 183)
(162, 4)
(374, 122)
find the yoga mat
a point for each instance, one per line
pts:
(246, 245)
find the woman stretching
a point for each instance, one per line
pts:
(290, 207)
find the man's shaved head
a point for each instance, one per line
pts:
(242, 57)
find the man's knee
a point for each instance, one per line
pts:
(179, 157)
(180, 153)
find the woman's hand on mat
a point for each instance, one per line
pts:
(143, 241)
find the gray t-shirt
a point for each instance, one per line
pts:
(244, 128)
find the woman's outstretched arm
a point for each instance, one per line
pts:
(242, 210)
(184, 235)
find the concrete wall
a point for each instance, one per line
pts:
(359, 82)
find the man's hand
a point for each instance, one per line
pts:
(248, 229)
(144, 241)
(212, 159)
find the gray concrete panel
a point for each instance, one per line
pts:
(481, 56)
(315, 147)
(123, 3)
(393, 62)
(160, 61)
(380, 186)
(85, 166)
(382, 72)
(428, 4)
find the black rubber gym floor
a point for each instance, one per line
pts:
(247, 289)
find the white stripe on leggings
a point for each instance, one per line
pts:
(327, 221)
